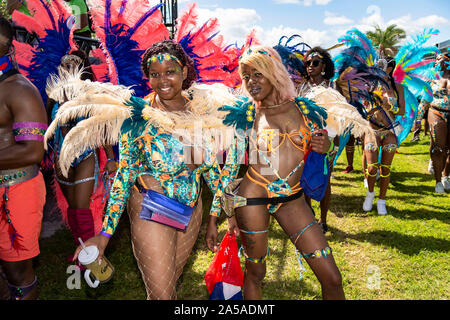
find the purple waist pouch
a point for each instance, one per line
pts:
(159, 208)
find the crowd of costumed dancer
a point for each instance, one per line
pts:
(124, 133)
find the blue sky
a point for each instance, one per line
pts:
(321, 22)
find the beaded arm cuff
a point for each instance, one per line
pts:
(29, 131)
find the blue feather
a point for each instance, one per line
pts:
(135, 124)
(124, 51)
(47, 56)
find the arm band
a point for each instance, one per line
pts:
(29, 131)
(106, 234)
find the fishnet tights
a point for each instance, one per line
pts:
(160, 251)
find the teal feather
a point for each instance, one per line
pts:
(135, 124)
(241, 115)
(312, 111)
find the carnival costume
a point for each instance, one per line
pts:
(361, 79)
(332, 113)
(22, 191)
(363, 84)
(323, 94)
(54, 25)
(440, 104)
(439, 122)
(125, 112)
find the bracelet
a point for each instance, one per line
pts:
(106, 234)
(111, 159)
(394, 109)
(331, 147)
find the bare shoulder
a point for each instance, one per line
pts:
(22, 98)
(19, 84)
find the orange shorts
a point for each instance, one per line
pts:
(26, 205)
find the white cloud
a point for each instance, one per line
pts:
(234, 24)
(433, 20)
(323, 2)
(310, 36)
(305, 3)
(374, 16)
(333, 19)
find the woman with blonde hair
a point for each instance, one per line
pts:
(283, 128)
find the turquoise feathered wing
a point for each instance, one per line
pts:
(414, 73)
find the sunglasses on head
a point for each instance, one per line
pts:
(314, 63)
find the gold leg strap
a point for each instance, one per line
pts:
(376, 165)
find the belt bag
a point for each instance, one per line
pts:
(159, 208)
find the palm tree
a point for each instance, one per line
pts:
(386, 40)
(3, 10)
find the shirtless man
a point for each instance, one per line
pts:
(23, 122)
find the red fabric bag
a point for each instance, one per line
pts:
(224, 277)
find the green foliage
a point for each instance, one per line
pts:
(403, 255)
(3, 10)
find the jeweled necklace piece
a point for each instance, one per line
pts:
(274, 106)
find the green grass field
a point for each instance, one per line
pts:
(403, 255)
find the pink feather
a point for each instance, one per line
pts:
(24, 54)
(421, 63)
(100, 70)
(29, 23)
(399, 74)
(186, 21)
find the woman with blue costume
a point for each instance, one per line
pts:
(87, 172)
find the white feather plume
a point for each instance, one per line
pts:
(342, 116)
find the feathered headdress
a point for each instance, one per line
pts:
(205, 47)
(415, 72)
(356, 69)
(125, 29)
(292, 56)
(53, 23)
(233, 52)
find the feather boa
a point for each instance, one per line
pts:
(111, 110)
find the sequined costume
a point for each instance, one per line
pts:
(157, 153)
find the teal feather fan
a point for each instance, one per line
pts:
(241, 115)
